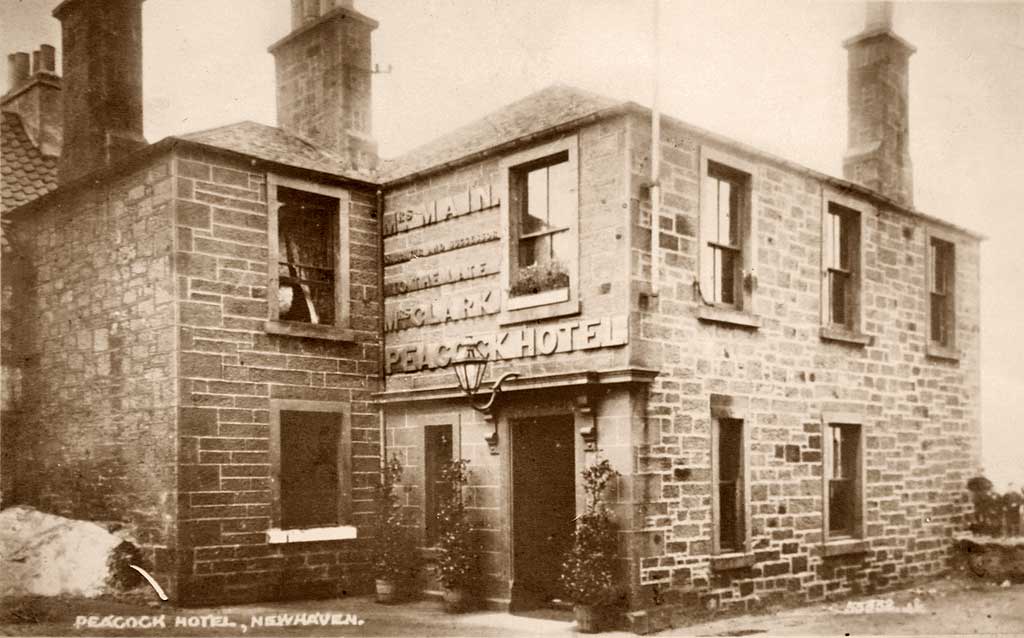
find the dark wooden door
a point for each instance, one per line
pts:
(543, 505)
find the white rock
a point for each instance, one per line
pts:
(50, 555)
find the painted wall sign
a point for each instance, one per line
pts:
(514, 343)
(403, 256)
(438, 277)
(443, 209)
(443, 310)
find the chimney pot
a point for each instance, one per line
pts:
(49, 58)
(102, 46)
(36, 98)
(878, 16)
(878, 71)
(310, 10)
(328, 49)
(17, 69)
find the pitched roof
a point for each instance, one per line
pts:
(275, 145)
(25, 172)
(550, 107)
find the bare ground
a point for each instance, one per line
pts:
(954, 605)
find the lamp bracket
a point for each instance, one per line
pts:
(487, 409)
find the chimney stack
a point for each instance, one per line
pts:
(324, 75)
(878, 153)
(102, 47)
(35, 95)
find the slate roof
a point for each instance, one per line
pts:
(25, 173)
(275, 145)
(550, 107)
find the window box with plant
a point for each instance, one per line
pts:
(456, 546)
(395, 556)
(540, 217)
(589, 572)
(539, 284)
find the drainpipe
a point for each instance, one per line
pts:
(380, 327)
(655, 165)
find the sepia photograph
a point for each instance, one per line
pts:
(511, 318)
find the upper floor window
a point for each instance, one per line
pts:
(722, 237)
(541, 215)
(307, 242)
(727, 252)
(542, 193)
(941, 291)
(842, 265)
(308, 260)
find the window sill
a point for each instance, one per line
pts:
(844, 547)
(310, 535)
(939, 351)
(308, 330)
(737, 560)
(728, 316)
(545, 298)
(845, 335)
(536, 313)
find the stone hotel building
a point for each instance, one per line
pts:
(214, 340)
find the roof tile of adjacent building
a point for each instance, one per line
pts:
(25, 172)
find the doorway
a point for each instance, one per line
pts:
(543, 506)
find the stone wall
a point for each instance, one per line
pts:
(475, 238)
(430, 264)
(231, 370)
(920, 413)
(91, 316)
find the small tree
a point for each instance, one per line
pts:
(457, 551)
(395, 555)
(995, 514)
(588, 574)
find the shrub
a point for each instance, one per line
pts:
(457, 549)
(588, 574)
(995, 514)
(539, 278)
(394, 549)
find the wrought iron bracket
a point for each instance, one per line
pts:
(488, 408)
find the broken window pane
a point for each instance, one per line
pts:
(306, 256)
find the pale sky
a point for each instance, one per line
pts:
(770, 74)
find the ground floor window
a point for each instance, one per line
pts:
(730, 475)
(437, 450)
(843, 476)
(731, 506)
(310, 443)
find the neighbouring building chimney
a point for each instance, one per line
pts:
(34, 93)
(102, 50)
(323, 78)
(877, 97)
